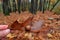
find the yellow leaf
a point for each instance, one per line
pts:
(49, 35)
(11, 35)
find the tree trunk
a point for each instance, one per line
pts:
(32, 6)
(14, 6)
(27, 5)
(9, 5)
(5, 7)
(48, 4)
(36, 5)
(19, 5)
(23, 5)
(40, 5)
(43, 9)
(55, 5)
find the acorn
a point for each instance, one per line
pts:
(28, 28)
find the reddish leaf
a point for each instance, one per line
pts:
(27, 22)
(17, 25)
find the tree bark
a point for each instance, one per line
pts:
(14, 6)
(32, 6)
(55, 5)
(19, 5)
(40, 5)
(5, 7)
(36, 5)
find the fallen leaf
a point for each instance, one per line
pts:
(49, 35)
(11, 36)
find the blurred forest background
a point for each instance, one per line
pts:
(15, 13)
(7, 6)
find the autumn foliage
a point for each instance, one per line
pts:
(41, 26)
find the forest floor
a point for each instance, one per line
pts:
(50, 30)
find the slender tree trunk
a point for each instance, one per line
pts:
(14, 6)
(55, 5)
(27, 5)
(43, 5)
(32, 6)
(49, 4)
(23, 5)
(5, 7)
(9, 5)
(36, 5)
(40, 5)
(19, 5)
